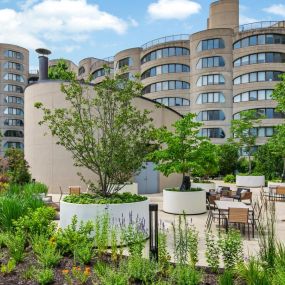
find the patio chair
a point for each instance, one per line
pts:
(211, 201)
(280, 193)
(238, 216)
(246, 196)
(74, 190)
(238, 193)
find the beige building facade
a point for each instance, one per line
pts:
(14, 72)
(215, 73)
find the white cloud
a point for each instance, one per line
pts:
(40, 22)
(246, 20)
(173, 9)
(277, 9)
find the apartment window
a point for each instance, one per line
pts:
(263, 39)
(208, 62)
(125, 62)
(14, 122)
(14, 77)
(258, 77)
(14, 111)
(14, 100)
(81, 70)
(98, 73)
(165, 52)
(212, 133)
(267, 57)
(166, 85)
(211, 115)
(173, 101)
(14, 133)
(211, 97)
(13, 65)
(14, 145)
(210, 44)
(166, 68)
(211, 79)
(13, 54)
(267, 113)
(13, 88)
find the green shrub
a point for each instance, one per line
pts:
(37, 222)
(47, 254)
(227, 278)
(9, 267)
(45, 276)
(230, 178)
(15, 243)
(35, 188)
(186, 275)
(231, 248)
(212, 252)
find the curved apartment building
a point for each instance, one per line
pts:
(14, 72)
(215, 73)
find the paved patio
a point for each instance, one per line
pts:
(251, 246)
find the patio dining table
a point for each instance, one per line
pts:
(223, 206)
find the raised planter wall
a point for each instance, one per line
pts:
(90, 212)
(270, 184)
(190, 203)
(204, 186)
(250, 181)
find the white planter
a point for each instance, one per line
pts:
(131, 188)
(204, 186)
(90, 212)
(191, 203)
(274, 184)
(250, 181)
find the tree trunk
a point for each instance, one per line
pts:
(249, 164)
(283, 174)
(186, 183)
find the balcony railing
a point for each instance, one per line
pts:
(105, 60)
(260, 25)
(181, 37)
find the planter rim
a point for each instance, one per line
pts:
(166, 189)
(104, 204)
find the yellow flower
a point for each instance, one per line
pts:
(65, 271)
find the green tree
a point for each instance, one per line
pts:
(268, 162)
(181, 151)
(277, 145)
(102, 129)
(18, 168)
(245, 134)
(61, 71)
(279, 94)
(228, 158)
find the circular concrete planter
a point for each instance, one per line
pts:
(274, 184)
(89, 212)
(191, 203)
(250, 181)
(204, 186)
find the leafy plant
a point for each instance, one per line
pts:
(61, 71)
(67, 239)
(244, 132)
(163, 254)
(212, 252)
(101, 238)
(105, 133)
(186, 275)
(108, 275)
(227, 278)
(181, 151)
(231, 248)
(47, 254)
(15, 243)
(18, 168)
(9, 267)
(228, 158)
(230, 178)
(45, 276)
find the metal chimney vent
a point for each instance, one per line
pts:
(43, 63)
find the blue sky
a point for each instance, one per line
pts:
(76, 29)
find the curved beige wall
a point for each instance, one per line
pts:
(51, 163)
(226, 71)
